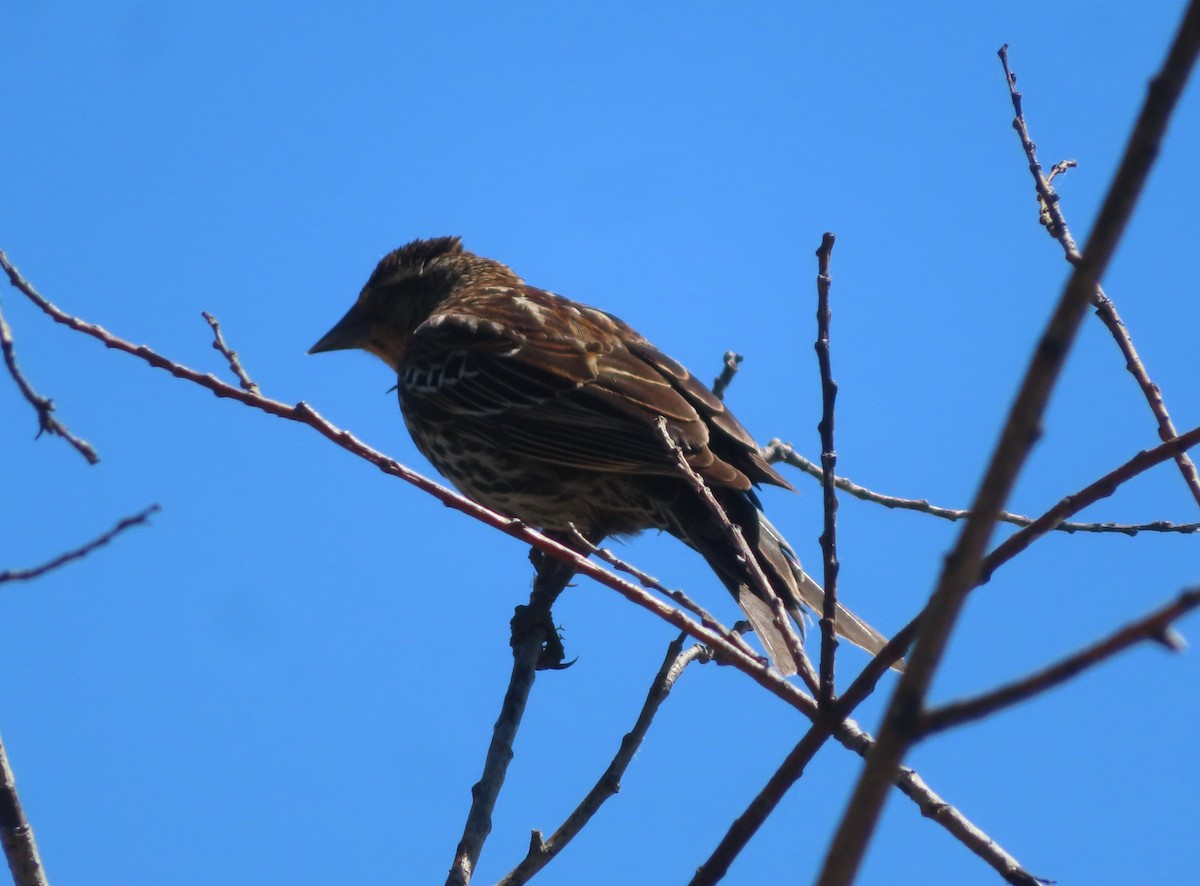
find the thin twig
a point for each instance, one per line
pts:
(16, 835)
(649, 581)
(1090, 494)
(782, 621)
(1155, 627)
(82, 551)
(731, 363)
(864, 683)
(1056, 223)
(746, 825)
(235, 364)
(829, 721)
(44, 406)
(777, 451)
(963, 564)
(851, 736)
(541, 852)
(829, 500)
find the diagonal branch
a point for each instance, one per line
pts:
(542, 852)
(1156, 627)
(82, 551)
(44, 406)
(649, 581)
(533, 629)
(779, 615)
(1056, 223)
(895, 649)
(16, 835)
(963, 564)
(235, 363)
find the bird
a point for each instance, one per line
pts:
(563, 416)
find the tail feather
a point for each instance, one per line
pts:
(809, 592)
(782, 568)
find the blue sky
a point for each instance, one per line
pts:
(292, 674)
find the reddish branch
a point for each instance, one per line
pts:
(649, 581)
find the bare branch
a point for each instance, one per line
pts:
(829, 390)
(1055, 222)
(235, 364)
(777, 451)
(1093, 492)
(780, 617)
(895, 649)
(541, 852)
(1155, 627)
(649, 581)
(732, 361)
(44, 406)
(533, 630)
(964, 562)
(82, 551)
(16, 835)
(910, 784)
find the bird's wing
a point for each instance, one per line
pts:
(580, 401)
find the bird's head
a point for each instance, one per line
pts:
(405, 288)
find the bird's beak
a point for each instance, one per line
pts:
(352, 331)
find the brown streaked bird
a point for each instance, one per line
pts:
(547, 410)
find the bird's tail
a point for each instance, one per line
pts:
(782, 568)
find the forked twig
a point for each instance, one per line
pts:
(1056, 223)
(541, 851)
(44, 406)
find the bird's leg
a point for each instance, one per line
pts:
(552, 578)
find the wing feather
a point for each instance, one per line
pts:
(588, 401)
